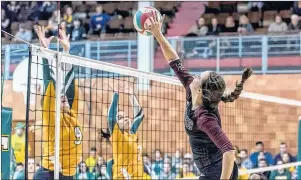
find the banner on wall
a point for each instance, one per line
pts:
(6, 127)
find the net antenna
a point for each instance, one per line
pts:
(57, 102)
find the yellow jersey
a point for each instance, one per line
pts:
(70, 131)
(18, 144)
(126, 155)
(126, 150)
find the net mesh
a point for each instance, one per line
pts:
(156, 145)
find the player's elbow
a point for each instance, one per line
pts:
(229, 155)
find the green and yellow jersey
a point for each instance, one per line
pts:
(127, 158)
(71, 132)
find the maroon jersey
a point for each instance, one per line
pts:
(203, 126)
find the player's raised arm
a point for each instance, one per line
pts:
(169, 52)
(112, 114)
(138, 111)
(155, 28)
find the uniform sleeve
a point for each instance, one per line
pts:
(110, 168)
(112, 114)
(181, 72)
(138, 114)
(208, 123)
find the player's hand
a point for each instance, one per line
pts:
(44, 42)
(156, 25)
(64, 40)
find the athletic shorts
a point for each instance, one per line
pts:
(214, 171)
(45, 174)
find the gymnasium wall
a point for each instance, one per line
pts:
(245, 121)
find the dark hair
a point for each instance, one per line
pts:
(283, 143)
(157, 150)
(214, 89)
(244, 150)
(20, 164)
(105, 135)
(79, 167)
(93, 149)
(259, 142)
(145, 155)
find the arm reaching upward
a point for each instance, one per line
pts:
(112, 114)
(138, 114)
(155, 28)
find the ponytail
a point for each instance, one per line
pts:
(104, 135)
(232, 96)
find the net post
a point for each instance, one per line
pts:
(57, 116)
(299, 148)
(27, 109)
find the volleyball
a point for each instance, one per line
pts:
(142, 20)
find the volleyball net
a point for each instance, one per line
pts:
(70, 133)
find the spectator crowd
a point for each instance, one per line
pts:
(159, 165)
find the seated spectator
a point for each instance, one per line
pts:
(19, 172)
(287, 159)
(63, 25)
(83, 172)
(157, 164)
(199, 29)
(99, 21)
(68, 17)
(244, 25)
(167, 173)
(258, 177)
(260, 148)
(188, 158)
(186, 172)
(245, 160)
(214, 28)
(5, 23)
(46, 9)
(13, 9)
(280, 173)
(53, 22)
(148, 166)
(278, 25)
(283, 150)
(263, 163)
(297, 8)
(23, 33)
(100, 161)
(255, 6)
(295, 23)
(78, 32)
(29, 12)
(103, 172)
(177, 158)
(91, 159)
(229, 25)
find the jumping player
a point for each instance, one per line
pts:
(71, 135)
(127, 160)
(212, 151)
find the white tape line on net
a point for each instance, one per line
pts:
(270, 168)
(260, 170)
(94, 64)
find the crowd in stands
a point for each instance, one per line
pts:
(170, 165)
(244, 17)
(81, 19)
